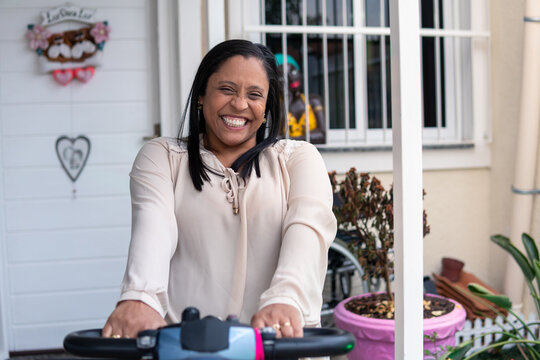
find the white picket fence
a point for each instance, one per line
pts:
(480, 330)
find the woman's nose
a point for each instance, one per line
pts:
(239, 102)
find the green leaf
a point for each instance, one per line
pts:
(499, 300)
(521, 260)
(537, 266)
(459, 352)
(505, 337)
(530, 247)
(534, 294)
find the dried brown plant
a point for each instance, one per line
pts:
(364, 210)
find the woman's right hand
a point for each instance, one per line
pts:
(130, 317)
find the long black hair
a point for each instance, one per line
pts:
(266, 135)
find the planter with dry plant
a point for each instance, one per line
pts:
(365, 214)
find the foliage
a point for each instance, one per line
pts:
(439, 349)
(525, 339)
(364, 210)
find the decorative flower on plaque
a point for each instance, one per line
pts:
(38, 37)
(100, 32)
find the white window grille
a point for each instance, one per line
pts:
(342, 47)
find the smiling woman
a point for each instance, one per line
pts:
(265, 261)
(234, 107)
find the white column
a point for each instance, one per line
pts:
(407, 162)
(179, 54)
(167, 67)
(190, 45)
(526, 148)
(235, 19)
(215, 18)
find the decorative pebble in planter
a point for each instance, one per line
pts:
(375, 337)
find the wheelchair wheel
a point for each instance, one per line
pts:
(344, 271)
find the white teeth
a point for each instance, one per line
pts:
(233, 122)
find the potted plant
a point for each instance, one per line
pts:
(365, 213)
(517, 332)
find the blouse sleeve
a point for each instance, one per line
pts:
(154, 230)
(308, 230)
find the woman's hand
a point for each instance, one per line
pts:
(130, 317)
(285, 319)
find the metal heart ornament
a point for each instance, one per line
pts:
(73, 154)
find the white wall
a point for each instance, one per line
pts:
(63, 257)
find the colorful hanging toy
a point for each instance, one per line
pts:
(67, 51)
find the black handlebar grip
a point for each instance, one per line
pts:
(89, 343)
(316, 342)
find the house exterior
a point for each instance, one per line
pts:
(63, 243)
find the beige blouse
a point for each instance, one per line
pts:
(236, 246)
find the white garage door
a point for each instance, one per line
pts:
(64, 243)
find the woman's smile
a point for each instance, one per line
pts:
(234, 122)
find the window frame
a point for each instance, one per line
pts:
(371, 149)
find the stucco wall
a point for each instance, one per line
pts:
(457, 207)
(457, 204)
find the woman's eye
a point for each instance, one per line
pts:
(227, 90)
(255, 95)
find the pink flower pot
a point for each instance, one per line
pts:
(375, 337)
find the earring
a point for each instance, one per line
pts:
(199, 111)
(264, 120)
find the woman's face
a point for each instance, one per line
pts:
(234, 104)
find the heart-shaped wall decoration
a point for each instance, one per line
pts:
(63, 77)
(73, 154)
(85, 74)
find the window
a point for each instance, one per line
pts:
(342, 50)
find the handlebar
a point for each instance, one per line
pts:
(316, 342)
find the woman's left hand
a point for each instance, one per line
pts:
(285, 319)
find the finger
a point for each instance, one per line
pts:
(131, 330)
(119, 330)
(115, 333)
(160, 323)
(257, 322)
(277, 328)
(130, 334)
(287, 330)
(107, 330)
(298, 331)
